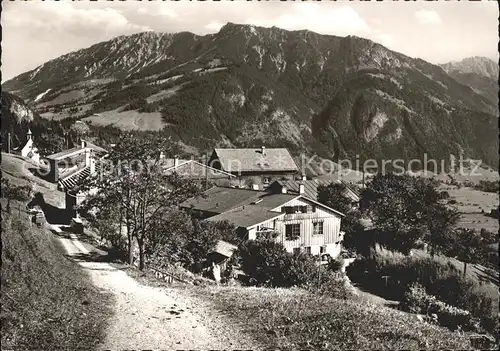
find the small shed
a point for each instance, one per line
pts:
(221, 254)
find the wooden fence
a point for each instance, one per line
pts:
(168, 277)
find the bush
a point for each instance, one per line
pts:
(416, 300)
(488, 186)
(390, 274)
(335, 265)
(334, 285)
(266, 262)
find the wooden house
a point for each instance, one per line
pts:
(66, 165)
(255, 167)
(300, 223)
(194, 170)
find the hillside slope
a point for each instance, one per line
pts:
(247, 85)
(47, 301)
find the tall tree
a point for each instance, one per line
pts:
(334, 195)
(468, 246)
(134, 181)
(406, 211)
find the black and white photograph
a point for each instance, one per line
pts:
(249, 175)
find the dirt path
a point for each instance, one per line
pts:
(156, 318)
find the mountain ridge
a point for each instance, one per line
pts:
(249, 85)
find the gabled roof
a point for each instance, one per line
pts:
(243, 207)
(76, 151)
(194, 169)
(311, 187)
(96, 148)
(224, 248)
(253, 160)
(221, 199)
(246, 216)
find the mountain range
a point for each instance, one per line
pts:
(337, 97)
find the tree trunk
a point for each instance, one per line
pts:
(465, 268)
(130, 245)
(141, 254)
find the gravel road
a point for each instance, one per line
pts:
(156, 318)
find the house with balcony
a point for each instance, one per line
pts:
(256, 167)
(69, 168)
(298, 222)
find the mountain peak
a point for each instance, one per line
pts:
(480, 65)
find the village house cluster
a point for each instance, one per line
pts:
(258, 190)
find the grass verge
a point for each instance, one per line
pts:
(48, 302)
(291, 318)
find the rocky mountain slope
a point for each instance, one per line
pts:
(17, 116)
(478, 72)
(248, 85)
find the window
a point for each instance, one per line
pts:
(294, 209)
(317, 228)
(263, 232)
(307, 250)
(292, 231)
(322, 249)
(296, 250)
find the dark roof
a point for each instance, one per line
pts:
(242, 207)
(222, 199)
(246, 216)
(253, 160)
(311, 187)
(194, 169)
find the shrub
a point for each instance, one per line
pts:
(416, 300)
(335, 264)
(333, 285)
(266, 262)
(390, 274)
(488, 186)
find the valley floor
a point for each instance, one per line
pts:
(147, 317)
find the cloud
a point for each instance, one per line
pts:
(385, 39)
(339, 21)
(214, 26)
(427, 16)
(38, 32)
(164, 10)
(64, 19)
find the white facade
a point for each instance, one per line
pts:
(319, 228)
(29, 149)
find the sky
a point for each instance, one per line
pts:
(34, 32)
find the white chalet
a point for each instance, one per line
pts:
(302, 224)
